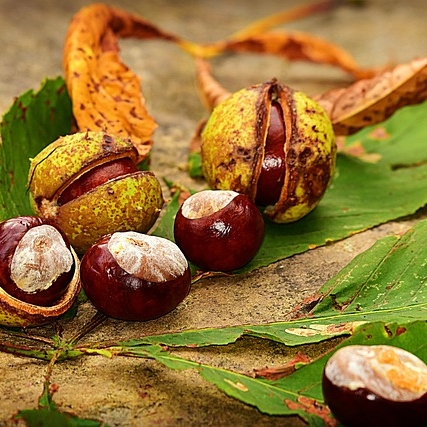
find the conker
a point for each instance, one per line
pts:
(219, 230)
(135, 276)
(377, 385)
(36, 262)
(272, 176)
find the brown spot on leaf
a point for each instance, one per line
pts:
(312, 407)
(400, 330)
(358, 150)
(379, 133)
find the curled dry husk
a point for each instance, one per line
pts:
(16, 313)
(233, 145)
(106, 94)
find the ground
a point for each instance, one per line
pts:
(129, 392)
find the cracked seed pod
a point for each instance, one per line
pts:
(89, 184)
(39, 272)
(274, 144)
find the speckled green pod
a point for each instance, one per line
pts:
(233, 146)
(128, 202)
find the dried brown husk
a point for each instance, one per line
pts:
(371, 101)
(106, 95)
(294, 46)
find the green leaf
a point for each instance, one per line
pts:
(195, 165)
(390, 277)
(257, 392)
(165, 225)
(49, 415)
(385, 283)
(44, 418)
(301, 392)
(262, 394)
(362, 194)
(54, 418)
(386, 140)
(33, 121)
(45, 401)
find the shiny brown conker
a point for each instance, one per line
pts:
(219, 230)
(375, 386)
(36, 262)
(272, 176)
(96, 177)
(134, 276)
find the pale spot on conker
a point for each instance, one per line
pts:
(206, 203)
(150, 258)
(39, 259)
(389, 372)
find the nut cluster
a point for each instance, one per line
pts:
(86, 188)
(266, 145)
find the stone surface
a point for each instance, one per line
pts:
(129, 392)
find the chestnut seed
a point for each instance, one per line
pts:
(272, 176)
(36, 262)
(219, 230)
(134, 276)
(97, 176)
(377, 385)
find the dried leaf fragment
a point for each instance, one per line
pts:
(370, 101)
(106, 94)
(255, 38)
(326, 330)
(358, 150)
(311, 406)
(238, 385)
(295, 46)
(289, 15)
(211, 92)
(283, 370)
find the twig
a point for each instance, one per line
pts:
(96, 320)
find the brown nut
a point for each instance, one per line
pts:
(135, 276)
(39, 272)
(219, 230)
(377, 385)
(274, 144)
(89, 184)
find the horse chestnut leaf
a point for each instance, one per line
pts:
(219, 230)
(377, 385)
(134, 276)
